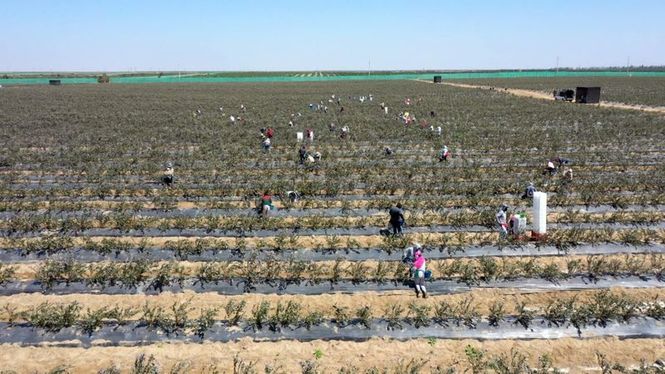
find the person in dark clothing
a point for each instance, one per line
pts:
(562, 161)
(294, 196)
(396, 219)
(168, 176)
(528, 192)
(302, 154)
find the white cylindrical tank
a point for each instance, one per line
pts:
(540, 212)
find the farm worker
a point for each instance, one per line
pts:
(568, 174)
(293, 196)
(242, 108)
(385, 110)
(302, 154)
(419, 268)
(444, 153)
(345, 132)
(501, 221)
(290, 123)
(221, 109)
(266, 204)
(409, 253)
(396, 218)
(310, 134)
(388, 151)
(266, 144)
(383, 106)
(317, 157)
(438, 130)
(528, 192)
(332, 127)
(270, 133)
(562, 161)
(371, 98)
(168, 178)
(232, 119)
(551, 169)
(513, 225)
(432, 113)
(341, 109)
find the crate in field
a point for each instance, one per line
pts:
(437, 79)
(54, 82)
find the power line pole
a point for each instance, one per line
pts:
(628, 66)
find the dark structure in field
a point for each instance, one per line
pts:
(437, 79)
(587, 95)
(54, 82)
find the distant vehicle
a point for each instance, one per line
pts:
(564, 95)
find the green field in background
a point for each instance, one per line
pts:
(291, 77)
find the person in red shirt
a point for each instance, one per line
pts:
(266, 204)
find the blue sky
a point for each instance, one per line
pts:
(113, 35)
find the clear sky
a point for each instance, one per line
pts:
(121, 35)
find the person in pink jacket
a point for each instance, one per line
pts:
(419, 267)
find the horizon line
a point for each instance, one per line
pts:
(339, 70)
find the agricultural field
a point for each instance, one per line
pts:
(633, 90)
(103, 268)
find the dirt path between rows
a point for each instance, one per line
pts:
(545, 96)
